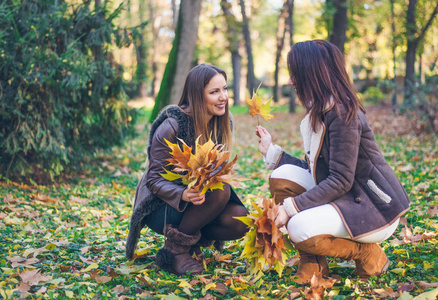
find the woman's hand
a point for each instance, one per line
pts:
(265, 139)
(193, 196)
(282, 217)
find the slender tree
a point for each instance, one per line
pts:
(154, 31)
(141, 53)
(290, 29)
(414, 36)
(233, 47)
(175, 13)
(393, 46)
(281, 33)
(180, 57)
(339, 29)
(250, 77)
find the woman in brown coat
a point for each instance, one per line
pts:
(188, 219)
(344, 199)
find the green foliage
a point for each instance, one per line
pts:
(62, 94)
(373, 95)
(422, 106)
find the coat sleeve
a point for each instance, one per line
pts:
(344, 142)
(166, 190)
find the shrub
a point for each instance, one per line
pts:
(373, 95)
(61, 92)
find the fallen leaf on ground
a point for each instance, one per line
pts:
(119, 289)
(318, 285)
(33, 277)
(102, 279)
(20, 261)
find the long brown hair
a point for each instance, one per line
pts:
(317, 70)
(193, 103)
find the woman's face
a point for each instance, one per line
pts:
(216, 96)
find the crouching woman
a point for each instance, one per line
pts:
(188, 219)
(344, 199)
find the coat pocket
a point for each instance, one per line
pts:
(381, 194)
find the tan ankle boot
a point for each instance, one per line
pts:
(370, 258)
(175, 257)
(311, 264)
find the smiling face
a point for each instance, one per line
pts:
(216, 96)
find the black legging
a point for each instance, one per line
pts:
(214, 217)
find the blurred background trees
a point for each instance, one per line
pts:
(68, 68)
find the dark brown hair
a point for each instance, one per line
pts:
(317, 70)
(193, 103)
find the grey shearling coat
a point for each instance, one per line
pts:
(351, 174)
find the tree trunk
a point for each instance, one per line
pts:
(175, 13)
(394, 80)
(237, 69)
(281, 33)
(340, 20)
(233, 40)
(180, 57)
(413, 37)
(141, 52)
(154, 47)
(250, 77)
(290, 29)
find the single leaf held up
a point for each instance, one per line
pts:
(206, 169)
(256, 106)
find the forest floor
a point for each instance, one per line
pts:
(67, 240)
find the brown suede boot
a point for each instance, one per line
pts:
(311, 264)
(370, 258)
(175, 257)
(196, 248)
(205, 243)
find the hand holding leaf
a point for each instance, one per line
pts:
(204, 170)
(256, 107)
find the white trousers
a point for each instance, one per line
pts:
(323, 219)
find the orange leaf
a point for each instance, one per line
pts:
(318, 285)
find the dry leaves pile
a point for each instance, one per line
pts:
(264, 245)
(256, 107)
(206, 169)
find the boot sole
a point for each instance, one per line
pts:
(386, 266)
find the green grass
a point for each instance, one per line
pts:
(74, 231)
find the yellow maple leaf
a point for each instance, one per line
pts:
(205, 169)
(256, 106)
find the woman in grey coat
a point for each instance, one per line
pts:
(343, 199)
(188, 219)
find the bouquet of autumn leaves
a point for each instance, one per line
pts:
(205, 169)
(264, 244)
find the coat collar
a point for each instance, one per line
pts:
(312, 141)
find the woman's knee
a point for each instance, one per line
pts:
(296, 228)
(220, 196)
(227, 219)
(240, 227)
